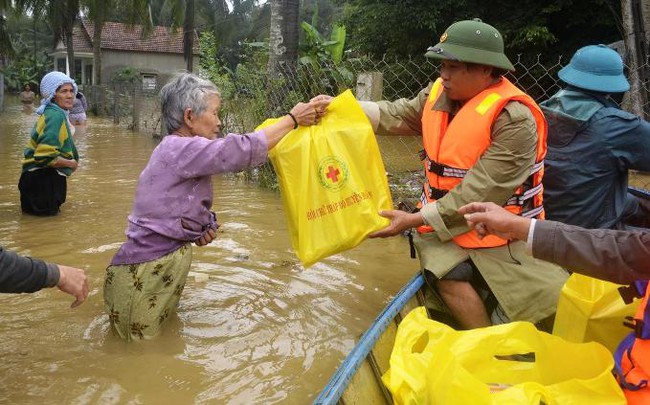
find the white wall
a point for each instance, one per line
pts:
(162, 63)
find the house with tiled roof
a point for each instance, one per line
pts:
(154, 57)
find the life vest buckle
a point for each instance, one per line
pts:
(436, 168)
(628, 293)
(638, 328)
(436, 193)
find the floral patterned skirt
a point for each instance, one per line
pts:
(139, 298)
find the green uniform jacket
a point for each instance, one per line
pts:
(527, 289)
(50, 138)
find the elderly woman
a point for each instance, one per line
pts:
(50, 155)
(79, 108)
(173, 202)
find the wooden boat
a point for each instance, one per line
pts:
(358, 378)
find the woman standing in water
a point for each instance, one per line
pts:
(173, 202)
(78, 111)
(50, 155)
(27, 96)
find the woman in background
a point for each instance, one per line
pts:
(79, 108)
(50, 155)
(27, 96)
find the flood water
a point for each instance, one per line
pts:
(253, 326)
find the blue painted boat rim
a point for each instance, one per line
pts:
(341, 378)
(639, 192)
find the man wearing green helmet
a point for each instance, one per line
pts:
(592, 144)
(484, 139)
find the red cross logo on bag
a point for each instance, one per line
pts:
(333, 173)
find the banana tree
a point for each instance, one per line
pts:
(61, 16)
(326, 56)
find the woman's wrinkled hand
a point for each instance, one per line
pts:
(322, 98)
(311, 113)
(321, 102)
(207, 237)
(304, 113)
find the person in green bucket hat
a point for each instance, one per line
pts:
(593, 144)
(484, 139)
(472, 41)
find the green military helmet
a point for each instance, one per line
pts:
(471, 41)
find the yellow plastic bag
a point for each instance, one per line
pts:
(432, 363)
(592, 310)
(333, 181)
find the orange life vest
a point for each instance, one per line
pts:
(452, 148)
(632, 357)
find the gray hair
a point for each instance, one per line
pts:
(185, 90)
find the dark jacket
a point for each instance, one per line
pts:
(618, 256)
(591, 146)
(20, 274)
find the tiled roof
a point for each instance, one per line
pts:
(118, 36)
(80, 40)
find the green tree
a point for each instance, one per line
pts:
(5, 41)
(408, 27)
(233, 27)
(30, 42)
(398, 28)
(283, 37)
(97, 12)
(61, 16)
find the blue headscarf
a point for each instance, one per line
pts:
(49, 84)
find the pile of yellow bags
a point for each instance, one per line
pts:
(512, 363)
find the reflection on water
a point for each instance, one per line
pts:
(253, 326)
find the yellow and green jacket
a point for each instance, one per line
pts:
(50, 138)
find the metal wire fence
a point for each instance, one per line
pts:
(250, 95)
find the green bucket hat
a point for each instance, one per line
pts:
(471, 41)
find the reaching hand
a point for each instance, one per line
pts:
(73, 281)
(306, 113)
(322, 98)
(321, 102)
(399, 222)
(490, 219)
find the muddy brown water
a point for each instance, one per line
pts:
(253, 326)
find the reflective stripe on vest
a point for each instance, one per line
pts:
(452, 148)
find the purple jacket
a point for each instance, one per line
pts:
(174, 193)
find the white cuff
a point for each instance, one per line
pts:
(531, 232)
(424, 219)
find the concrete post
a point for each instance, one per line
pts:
(2, 92)
(136, 107)
(370, 86)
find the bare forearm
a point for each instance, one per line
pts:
(276, 131)
(302, 114)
